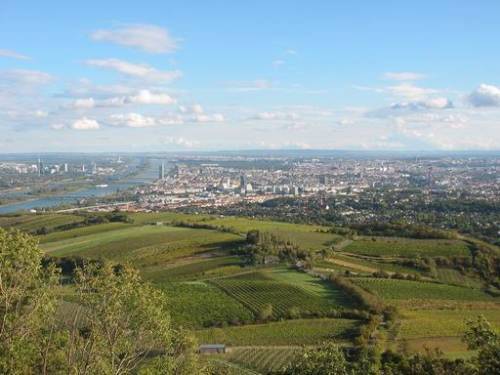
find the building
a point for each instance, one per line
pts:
(65, 167)
(161, 172)
(41, 170)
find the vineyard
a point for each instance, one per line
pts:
(405, 247)
(288, 292)
(262, 359)
(288, 332)
(264, 312)
(390, 289)
(198, 305)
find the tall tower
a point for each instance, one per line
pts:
(41, 171)
(161, 172)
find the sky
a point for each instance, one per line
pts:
(118, 76)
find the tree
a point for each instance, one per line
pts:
(116, 325)
(325, 359)
(121, 322)
(27, 304)
(266, 312)
(253, 237)
(480, 336)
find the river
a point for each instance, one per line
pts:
(146, 176)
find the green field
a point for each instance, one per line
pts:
(198, 304)
(213, 291)
(406, 247)
(152, 242)
(434, 322)
(284, 290)
(454, 277)
(194, 269)
(261, 359)
(33, 222)
(289, 332)
(391, 289)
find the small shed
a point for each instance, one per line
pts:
(212, 349)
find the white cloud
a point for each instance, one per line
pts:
(270, 116)
(13, 54)
(485, 96)
(195, 108)
(431, 103)
(277, 63)
(403, 76)
(410, 91)
(181, 142)
(142, 71)
(215, 117)
(85, 103)
(85, 124)
(28, 77)
(150, 38)
(132, 120)
(148, 97)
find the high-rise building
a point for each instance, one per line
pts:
(243, 184)
(65, 168)
(41, 171)
(94, 168)
(161, 172)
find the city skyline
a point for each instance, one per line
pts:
(118, 77)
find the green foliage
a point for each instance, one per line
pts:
(363, 298)
(118, 325)
(266, 312)
(27, 303)
(326, 359)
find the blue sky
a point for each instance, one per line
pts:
(198, 75)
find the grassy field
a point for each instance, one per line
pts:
(430, 323)
(284, 290)
(406, 247)
(289, 332)
(306, 236)
(390, 289)
(153, 242)
(198, 304)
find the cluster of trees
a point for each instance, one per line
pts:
(398, 229)
(333, 359)
(363, 298)
(264, 247)
(115, 324)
